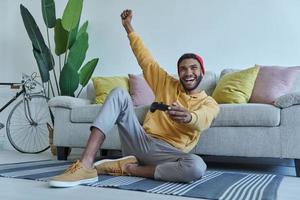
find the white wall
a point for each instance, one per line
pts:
(231, 33)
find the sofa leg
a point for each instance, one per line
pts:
(297, 167)
(62, 153)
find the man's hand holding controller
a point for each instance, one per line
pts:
(174, 111)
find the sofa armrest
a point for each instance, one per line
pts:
(288, 100)
(67, 102)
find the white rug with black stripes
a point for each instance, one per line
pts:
(213, 185)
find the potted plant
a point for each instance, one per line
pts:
(71, 45)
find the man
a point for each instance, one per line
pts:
(158, 149)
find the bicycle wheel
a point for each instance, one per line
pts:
(28, 133)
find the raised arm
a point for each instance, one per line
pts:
(153, 73)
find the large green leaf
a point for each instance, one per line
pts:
(86, 71)
(48, 10)
(72, 13)
(43, 65)
(49, 57)
(60, 38)
(82, 29)
(33, 30)
(72, 36)
(68, 80)
(78, 51)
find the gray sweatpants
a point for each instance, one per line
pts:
(171, 163)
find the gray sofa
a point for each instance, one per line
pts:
(246, 130)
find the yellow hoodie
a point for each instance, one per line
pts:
(168, 90)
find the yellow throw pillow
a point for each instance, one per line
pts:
(103, 86)
(236, 87)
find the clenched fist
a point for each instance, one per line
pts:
(126, 17)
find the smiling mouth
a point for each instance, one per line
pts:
(189, 81)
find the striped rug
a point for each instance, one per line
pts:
(213, 185)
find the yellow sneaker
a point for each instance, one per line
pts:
(114, 167)
(75, 175)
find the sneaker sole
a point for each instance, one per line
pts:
(73, 183)
(131, 159)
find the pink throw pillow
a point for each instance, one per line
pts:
(139, 90)
(273, 82)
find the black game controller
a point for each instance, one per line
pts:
(158, 106)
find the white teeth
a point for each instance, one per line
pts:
(189, 79)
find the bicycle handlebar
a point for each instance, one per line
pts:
(29, 81)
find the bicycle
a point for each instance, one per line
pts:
(29, 123)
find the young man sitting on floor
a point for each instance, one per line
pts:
(159, 148)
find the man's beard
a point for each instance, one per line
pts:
(198, 80)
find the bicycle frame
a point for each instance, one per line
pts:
(15, 97)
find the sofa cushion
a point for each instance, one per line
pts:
(273, 82)
(284, 101)
(209, 82)
(103, 86)
(139, 90)
(289, 80)
(247, 115)
(236, 87)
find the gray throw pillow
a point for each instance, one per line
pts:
(288, 100)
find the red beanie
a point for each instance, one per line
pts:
(200, 60)
(194, 56)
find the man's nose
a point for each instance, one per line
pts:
(189, 71)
